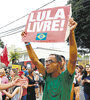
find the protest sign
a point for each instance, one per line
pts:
(48, 25)
(18, 67)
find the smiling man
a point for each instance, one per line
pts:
(57, 85)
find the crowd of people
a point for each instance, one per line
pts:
(26, 87)
(81, 83)
(59, 82)
(33, 86)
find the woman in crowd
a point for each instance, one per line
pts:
(37, 84)
(16, 91)
(78, 77)
(4, 80)
(16, 94)
(14, 75)
(86, 82)
(31, 86)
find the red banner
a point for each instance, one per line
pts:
(48, 25)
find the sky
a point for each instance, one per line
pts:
(11, 10)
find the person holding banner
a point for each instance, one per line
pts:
(57, 85)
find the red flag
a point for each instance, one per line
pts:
(1, 58)
(4, 57)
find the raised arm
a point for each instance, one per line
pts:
(34, 57)
(73, 48)
(13, 94)
(25, 85)
(6, 86)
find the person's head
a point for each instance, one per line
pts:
(87, 67)
(28, 68)
(30, 71)
(14, 72)
(63, 61)
(80, 69)
(23, 68)
(2, 72)
(53, 63)
(21, 74)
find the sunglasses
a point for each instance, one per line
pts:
(50, 61)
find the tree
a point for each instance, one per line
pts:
(1, 44)
(14, 57)
(81, 14)
(79, 55)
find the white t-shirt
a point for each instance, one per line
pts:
(74, 80)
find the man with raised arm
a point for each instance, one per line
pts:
(57, 85)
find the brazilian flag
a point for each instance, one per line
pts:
(41, 36)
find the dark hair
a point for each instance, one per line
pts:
(30, 71)
(63, 57)
(81, 67)
(84, 74)
(77, 65)
(58, 57)
(24, 67)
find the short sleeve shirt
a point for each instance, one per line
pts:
(25, 72)
(4, 80)
(58, 88)
(24, 89)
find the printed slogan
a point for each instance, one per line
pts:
(48, 25)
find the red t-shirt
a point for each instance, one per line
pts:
(24, 89)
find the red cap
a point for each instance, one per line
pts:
(20, 73)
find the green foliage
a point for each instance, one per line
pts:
(78, 55)
(14, 56)
(1, 44)
(86, 56)
(81, 14)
